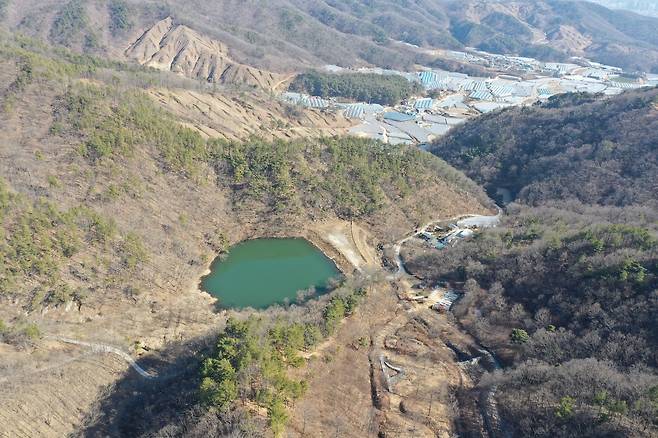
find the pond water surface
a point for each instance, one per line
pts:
(262, 272)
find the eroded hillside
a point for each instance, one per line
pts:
(229, 116)
(177, 48)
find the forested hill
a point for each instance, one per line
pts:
(567, 298)
(596, 150)
(565, 289)
(373, 88)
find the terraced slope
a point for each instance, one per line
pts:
(52, 400)
(222, 115)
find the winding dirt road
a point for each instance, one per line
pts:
(104, 348)
(462, 220)
(488, 407)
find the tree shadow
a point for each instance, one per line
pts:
(137, 406)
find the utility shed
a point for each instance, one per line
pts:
(445, 303)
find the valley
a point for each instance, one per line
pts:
(143, 301)
(280, 219)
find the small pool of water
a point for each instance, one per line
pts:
(262, 272)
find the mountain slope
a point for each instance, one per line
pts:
(564, 290)
(284, 35)
(565, 295)
(644, 7)
(112, 208)
(596, 150)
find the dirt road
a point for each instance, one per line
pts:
(104, 348)
(463, 220)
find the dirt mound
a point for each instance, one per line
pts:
(168, 46)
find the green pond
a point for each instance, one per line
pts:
(261, 272)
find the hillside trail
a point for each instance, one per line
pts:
(276, 86)
(488, 409)
(105, 348)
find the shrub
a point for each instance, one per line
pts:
(53, 181)
(519, 336)
(278, 416)
(31, 331)
(3, 8)
(333, 314)
(113, 131)
(132, 251)
(252, 359)
(70, 21)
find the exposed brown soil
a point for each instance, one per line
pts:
(177, 48)
(569, 39)
(52, 399)
(348, 394)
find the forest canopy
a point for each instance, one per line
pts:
(565, 290)
(592, 149)
(564, 293)
(364, 87)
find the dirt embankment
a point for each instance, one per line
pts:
(348, 393)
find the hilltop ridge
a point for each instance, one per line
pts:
(284, 35)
